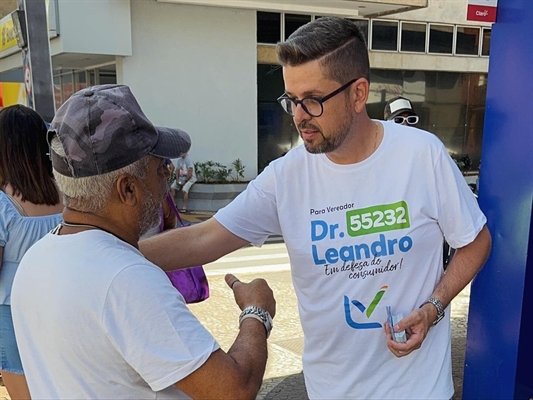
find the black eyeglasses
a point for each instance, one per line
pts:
(411, 119)
(311, 105)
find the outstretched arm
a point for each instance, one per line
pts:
(193, 245)
(237, 374)
(465, 264)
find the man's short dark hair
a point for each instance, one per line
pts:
(337, 42)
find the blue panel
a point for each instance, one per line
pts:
(496, 333)
(524, 372)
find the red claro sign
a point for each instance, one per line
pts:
(482, 10)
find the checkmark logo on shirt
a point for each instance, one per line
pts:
(368, 311)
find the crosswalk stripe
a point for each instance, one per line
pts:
(249, 270)
(227, 259)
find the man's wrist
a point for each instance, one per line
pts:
(259, 314)
(437, 305)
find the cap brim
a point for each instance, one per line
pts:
(404, 111)
(172, 143)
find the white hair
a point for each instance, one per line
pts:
(91, 193)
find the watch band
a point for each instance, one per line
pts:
(438, 305)
(259, 314)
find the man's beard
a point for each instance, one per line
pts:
(151, 212)
(331, 143)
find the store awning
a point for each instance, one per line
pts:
(351, 8)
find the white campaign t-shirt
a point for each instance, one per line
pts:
(95, 320)
(362, 237)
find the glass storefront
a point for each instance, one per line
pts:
(276, 131)
(69, 81)
(451, 105)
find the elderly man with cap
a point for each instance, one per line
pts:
(93, 318)
(400, 111)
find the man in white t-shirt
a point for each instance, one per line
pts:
(363, 207)
(95, 319)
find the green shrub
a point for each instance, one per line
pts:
(215, 172)
(239, 169)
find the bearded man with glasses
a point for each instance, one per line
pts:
(363, 207)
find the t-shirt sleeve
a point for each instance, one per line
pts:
(4, 215)
(151, 327)
(459, 215)
(253, 215)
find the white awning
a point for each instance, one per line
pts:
(349, 8)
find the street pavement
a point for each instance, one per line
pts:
(283, 378)
(193, 217)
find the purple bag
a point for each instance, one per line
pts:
(191, 282)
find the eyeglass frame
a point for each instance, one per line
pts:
(405, 119)
(319, 100)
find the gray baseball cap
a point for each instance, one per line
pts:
(102, 129)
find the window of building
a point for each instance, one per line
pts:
(440, 39)
(293, 22)
(80, 78)
(485, 45)
(385, 35)
(67, 85)
(268, 27)
(57, 91)
(362, 24)
(107, 75)
(67, 81)
(91, 77)
(467, 40)
(413, 37)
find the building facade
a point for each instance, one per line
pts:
(209, 66)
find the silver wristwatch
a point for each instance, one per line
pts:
(259, 314)
(438, 305)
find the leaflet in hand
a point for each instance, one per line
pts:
(393, 319)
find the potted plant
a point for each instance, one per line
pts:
(217, 185)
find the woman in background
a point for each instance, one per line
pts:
(30, 206)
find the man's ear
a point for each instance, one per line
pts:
(360, 91)
(128, 189)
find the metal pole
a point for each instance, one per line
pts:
(36, 59)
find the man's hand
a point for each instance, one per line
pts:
(416, 326)
(256, 293)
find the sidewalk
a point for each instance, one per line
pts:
(193, 217)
